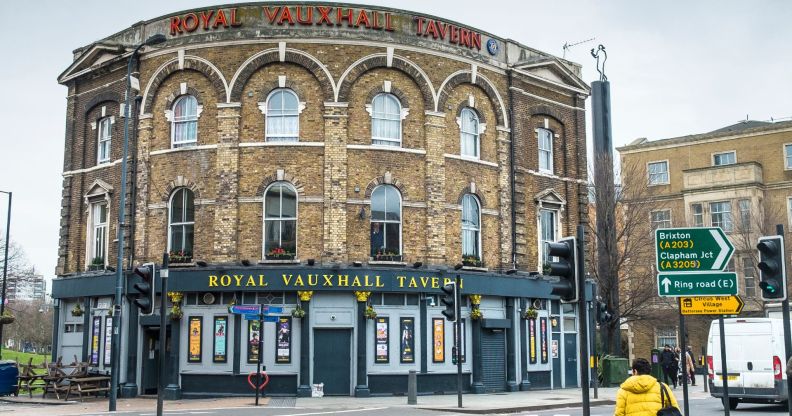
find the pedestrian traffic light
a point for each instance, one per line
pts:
(564, 251)
(144, 299)
(772, 268)
(449, 300)
(603, 315)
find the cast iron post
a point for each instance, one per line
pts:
(5, 266)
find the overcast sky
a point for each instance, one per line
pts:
(675, 67)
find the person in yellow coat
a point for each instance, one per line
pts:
(639, 395)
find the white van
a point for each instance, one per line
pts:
(754, 360)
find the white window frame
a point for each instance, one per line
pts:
(659, 211)
(94, 227)
(717, 154)
(384, 221)
(649, 174)
(281, 219)
(184, 120)
(747, 277)
(556, 222)
(182, 223)
(545, 151)
(475, 229)
(386, 141)
(745, 214)
(666, 336)
(730, 219)
(700, 215)
(104, 142)
(282, 137)
(470, 135)
(786, 153)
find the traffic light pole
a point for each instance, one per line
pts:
(583, 318)
(163, 323)
(785, 317)
(458, 339)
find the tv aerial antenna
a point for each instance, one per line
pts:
(568, 45)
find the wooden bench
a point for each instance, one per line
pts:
(93, 384)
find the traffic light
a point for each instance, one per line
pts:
(772, 270)
(565, 267)
(144, 299)
(449, 300)
(603, 315)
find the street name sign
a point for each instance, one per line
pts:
(696, 284)
(692, 249)
(257, 318)
(712, 305)
(245, 309)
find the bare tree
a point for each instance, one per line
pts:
(624, 267)
(20, 271)
(32, 327)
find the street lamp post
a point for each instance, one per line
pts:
(116, 345)
(5, 266)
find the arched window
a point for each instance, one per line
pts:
(469, 133)
(280, 222)
(184, 127)
(471, 227)
(105, 135)
(386, 120)
(181, 223)
(283, 116)
(386, 223)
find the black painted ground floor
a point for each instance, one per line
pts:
(355, 331)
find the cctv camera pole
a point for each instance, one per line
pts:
(458, 338)
(162, 336)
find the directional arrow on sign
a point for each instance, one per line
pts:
(696, 284)
(712, 305)
(692, 249)
(666, 282)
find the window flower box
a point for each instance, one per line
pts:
(180, 256)
(97, 264)
(387, 255)
(472, 261)
(279, 253)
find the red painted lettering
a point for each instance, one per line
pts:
(431, 29)
(190, 22)
(464, 37)
(220, 20)
(475, 40)
(175, 25)
(388, 25)
(376, 24)
(286, 16)
(454, 35)
(362, 19)
(234, 21)
(419, 25)
(205, 17)
(341, 16)
(305, 20)
(442, 29)
(325, 15)
(271, 14)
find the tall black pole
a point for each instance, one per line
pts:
(583, 318)
(5, 265)
(683, 358)
(785, 316)
(260, 352)
(458, 341)
(724, 370)
(163, 373)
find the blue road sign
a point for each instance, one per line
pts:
(245, 309)
(266, 318)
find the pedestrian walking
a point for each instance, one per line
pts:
(668, 364)
(691, 365)
(640, 394)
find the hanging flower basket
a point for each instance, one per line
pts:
(370, 313)
(176, 312)
(175, 297)
(77, 311)
(530, 313)
(476, 314)
(6, 318)
(298, 312)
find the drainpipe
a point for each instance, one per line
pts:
(512, 171)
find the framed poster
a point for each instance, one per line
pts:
(219, 353)
(438, 340)
(554, 348)
(381, 339)
(407, 349)
(253, 342)
(543, 338)
(194, 339)
(461, 341)
(283, 340)
(108, 340)
(532, 340)
(96, 332)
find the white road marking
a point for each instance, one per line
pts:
(337, 411)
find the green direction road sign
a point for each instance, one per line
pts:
(696, 284)
(692, 249)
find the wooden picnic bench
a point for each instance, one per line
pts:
(58, 377)
(90, 384)
(28, 379)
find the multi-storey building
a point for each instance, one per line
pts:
(738, 178)
(334, 161)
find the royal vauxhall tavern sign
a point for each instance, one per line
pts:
(690, 260)
(335, 21)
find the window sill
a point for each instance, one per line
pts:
(475, 269)
(291, 261)
(386, 263)
(178, 265)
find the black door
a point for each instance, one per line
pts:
(570, 360)
(150, 359)
(555, 353)
(493, 356)
(332, 360)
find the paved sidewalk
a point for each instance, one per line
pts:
(472, 403)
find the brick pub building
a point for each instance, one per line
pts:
(330, 160)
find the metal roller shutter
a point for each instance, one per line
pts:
(493, 355)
